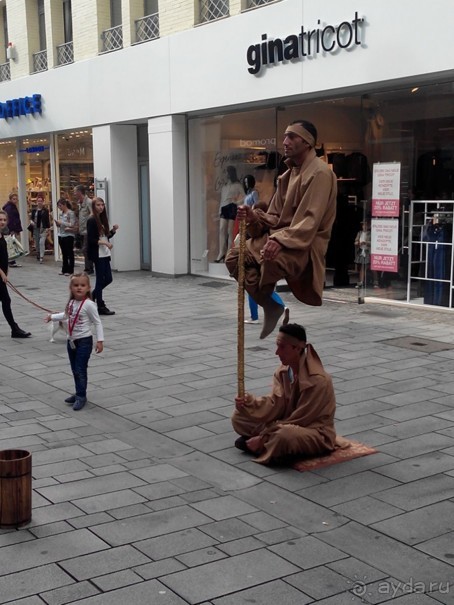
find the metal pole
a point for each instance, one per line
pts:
(240, 341)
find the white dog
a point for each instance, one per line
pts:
(58, 329)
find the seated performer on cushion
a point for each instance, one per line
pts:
(297, 418)
(290, 239)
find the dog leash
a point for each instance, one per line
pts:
(14, 289)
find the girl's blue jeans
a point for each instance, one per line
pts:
(78, 358)
(103, 279)
(253, 306)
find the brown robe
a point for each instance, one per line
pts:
(300, 218)
(296, 418)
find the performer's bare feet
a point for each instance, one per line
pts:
(272, 311)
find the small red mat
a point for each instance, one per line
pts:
(354, 449)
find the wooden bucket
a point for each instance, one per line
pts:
(15, 488)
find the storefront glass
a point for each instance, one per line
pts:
(8, 170)
(35, 159)
(411, 128)
(75, 161)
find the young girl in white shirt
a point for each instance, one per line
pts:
(80, 313)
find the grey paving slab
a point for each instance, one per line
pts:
(419, 493)
(386, 554)
(33, 581)
(229, 575)
(116, 580)
(289, 507)
(147, 526)
(266, 594)
(89, 487)
(224, 507)
(48, 550)
(145, 593)
(108, 501)
(418, 467)
(420, 525)
(307, 552)
(215, 472)
(441, 546)
(367, 510)
(348, 488)
(68, 594)
(175, 543)
(320, 582)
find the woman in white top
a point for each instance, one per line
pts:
(67, 227)
(98, 251)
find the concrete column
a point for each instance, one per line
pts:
(167, 140)
(115, 159)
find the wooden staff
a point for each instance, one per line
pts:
(240, 342)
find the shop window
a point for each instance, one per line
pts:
(213, 9)
(75, 161)
(8, 170)
(225, 150)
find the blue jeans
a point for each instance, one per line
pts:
(78, 358)
(253, 306)
(103, 279)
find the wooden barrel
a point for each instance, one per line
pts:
(15, 488)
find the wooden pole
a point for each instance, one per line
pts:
(240, 341)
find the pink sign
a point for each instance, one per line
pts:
(386, 189)
(384, 240)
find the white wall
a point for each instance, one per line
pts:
(205, 67)
(115, 159)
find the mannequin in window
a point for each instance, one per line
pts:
(231, 195)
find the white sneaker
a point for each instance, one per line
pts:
(251, 321)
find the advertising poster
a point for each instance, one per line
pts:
(386, 189)
(384, 245)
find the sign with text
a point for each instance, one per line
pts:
(386, 189)
(384, 245)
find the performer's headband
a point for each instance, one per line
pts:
(301, 132)
(291, 340)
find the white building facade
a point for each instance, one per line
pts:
(156, 120)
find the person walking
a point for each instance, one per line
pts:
(85, 204)
(5, 299)
(81, 313)
(99, 247)
(14, 222)
(40, 222)
(67, 227)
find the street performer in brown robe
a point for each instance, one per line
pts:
(290, 239)
(297, 418)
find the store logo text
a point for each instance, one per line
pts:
(307, 43)
(20, 107)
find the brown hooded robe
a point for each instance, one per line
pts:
(297, 417)
(300, 218)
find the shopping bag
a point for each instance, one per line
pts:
(14, 247)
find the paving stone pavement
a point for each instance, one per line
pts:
(141, 498)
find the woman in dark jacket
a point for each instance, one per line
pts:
(98, 251)
(39, 220)
(5, 299)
